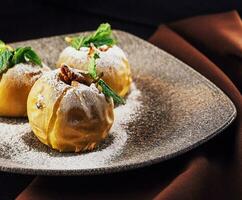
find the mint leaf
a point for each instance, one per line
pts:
(10, 57)
(104, 41)
(107, 91)
(102, 36)
(2, 44)
(92, 66)
(5, 56)
(18, 56)
(104, 30)
(25, 54)
(96, 56)
(31, 56)
(77, 42)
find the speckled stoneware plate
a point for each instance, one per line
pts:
(170, 109)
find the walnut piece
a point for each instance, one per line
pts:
(68, 75)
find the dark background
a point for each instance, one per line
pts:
(21, 20)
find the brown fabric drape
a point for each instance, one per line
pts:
(212, 45)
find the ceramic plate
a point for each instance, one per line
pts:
(170, 109)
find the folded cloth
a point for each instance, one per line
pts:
(212, 45)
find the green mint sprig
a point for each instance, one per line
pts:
(102, 36)
(10, 57)
(106, 89)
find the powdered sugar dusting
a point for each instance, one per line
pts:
(18, 143)
(22, 73)
(22, 68)
(52, 78)
(113, 56)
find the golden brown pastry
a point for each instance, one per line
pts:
(19, 69)
(67, 111)
(112, 62)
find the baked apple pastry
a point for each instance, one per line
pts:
(112, 62)
(19, 69)
(71, 110)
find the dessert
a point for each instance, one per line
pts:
(113, 62)
(19, 69)
(71, 110)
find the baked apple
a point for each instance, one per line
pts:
(112, 61)
(68, 112)
(19, 69)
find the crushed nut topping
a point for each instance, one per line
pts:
(68, 75)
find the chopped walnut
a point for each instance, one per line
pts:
(68, 75)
